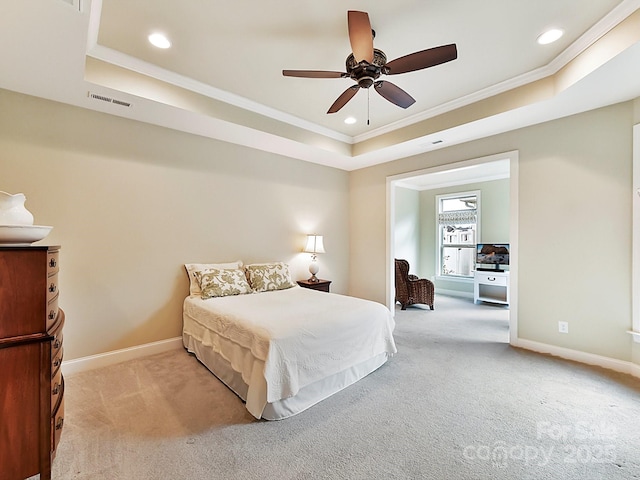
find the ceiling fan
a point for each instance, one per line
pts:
(366, 64)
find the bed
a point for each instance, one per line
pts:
(280, 347)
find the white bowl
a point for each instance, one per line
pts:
(15, 235)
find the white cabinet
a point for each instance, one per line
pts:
(491, 287)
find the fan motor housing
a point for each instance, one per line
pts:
(366, 73)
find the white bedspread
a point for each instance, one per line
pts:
(299, 335)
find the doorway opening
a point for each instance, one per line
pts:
(458, 174)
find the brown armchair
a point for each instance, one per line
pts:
(411, 289)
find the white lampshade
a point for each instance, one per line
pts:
(314, 244)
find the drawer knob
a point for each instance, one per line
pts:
(491, 279)
(56, 389)
(59, 423)
(52, 314)
(52, 263)
(52, 288)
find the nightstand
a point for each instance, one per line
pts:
(320, 285)
(489, 286)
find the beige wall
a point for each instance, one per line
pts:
(574, 217)
(130, 203)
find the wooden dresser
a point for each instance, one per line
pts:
(31, 383)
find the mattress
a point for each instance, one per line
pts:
(274, 348)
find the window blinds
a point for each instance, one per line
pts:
(458, 217)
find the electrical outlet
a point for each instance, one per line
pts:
(563, 327)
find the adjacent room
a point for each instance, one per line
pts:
(193, 169)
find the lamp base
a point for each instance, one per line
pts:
(313, 269)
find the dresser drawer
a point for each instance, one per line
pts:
(491, 279)
(56, 344)
(52, 262)
(52, 287)
(52, 312)
(56, 362)
(56, 333)
(57, 390)
(57, 421)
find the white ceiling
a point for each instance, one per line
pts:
(222, 77)
(454, 175)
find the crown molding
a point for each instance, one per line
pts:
(606, 24)
(99, 52)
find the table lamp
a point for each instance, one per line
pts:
(314, 246)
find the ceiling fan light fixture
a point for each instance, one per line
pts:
(550, 36)
(365, 65)
(159, 40)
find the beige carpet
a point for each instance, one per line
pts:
(456, 402)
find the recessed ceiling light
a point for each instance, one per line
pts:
(350, 120)
(159, 40)
(550, 36)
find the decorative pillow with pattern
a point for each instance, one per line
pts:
(269, 276)
(192, 268)
(222, 282)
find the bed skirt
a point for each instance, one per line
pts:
(255, 398)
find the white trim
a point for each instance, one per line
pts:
(120, 59)
(621, 366)
(454, 183)
(100, 360)
(610, 21)
(635, 237)
(607, 23)
(459, 279)
(135, 65)
(514, 239)
(454, 293)
(390, 250)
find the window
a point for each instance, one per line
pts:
(458, 227)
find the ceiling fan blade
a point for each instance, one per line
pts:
(360, 35)
(394, 94)
(423, 59)
(342, 100)
(314, 74)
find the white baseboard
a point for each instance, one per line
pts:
(70, 367)
(92, 362)
(454, 293)
(582, 357)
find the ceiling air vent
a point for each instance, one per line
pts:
(106, 99)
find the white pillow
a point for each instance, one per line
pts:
(194, 284)
(264, 277)
(222, 282)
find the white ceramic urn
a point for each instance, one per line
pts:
(13, 211)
